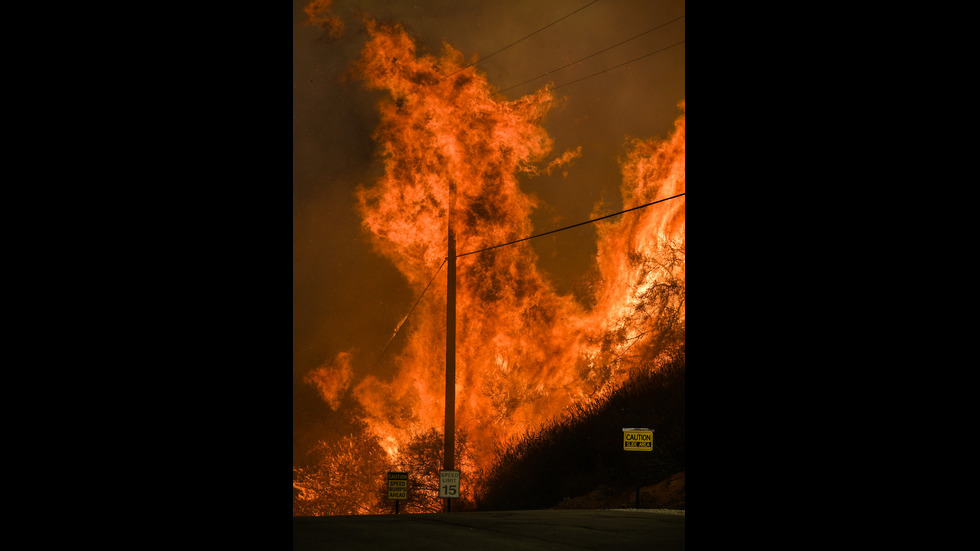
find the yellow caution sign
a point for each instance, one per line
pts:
(397, 485)
(638, 440)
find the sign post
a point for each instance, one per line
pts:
(638, 440)
(397, 487)
(448, 483)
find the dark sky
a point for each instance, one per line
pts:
(346, 297)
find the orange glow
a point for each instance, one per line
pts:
(318, 13)
(332, 381)
(524, 352)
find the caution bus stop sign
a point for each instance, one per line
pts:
(638, 440)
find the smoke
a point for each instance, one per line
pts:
(450, 145)
(319, 14)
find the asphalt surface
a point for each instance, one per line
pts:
(496, 531)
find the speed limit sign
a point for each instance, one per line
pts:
(448, 483)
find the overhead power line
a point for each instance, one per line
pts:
(546, 73)
(518, 41)
(620, 65)
(402, 322)
(573, 225)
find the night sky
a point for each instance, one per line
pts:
(347, 297)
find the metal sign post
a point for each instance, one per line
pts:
(397, 487)
(637, 440)
(448, 485)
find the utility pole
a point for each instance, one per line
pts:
(450, 426)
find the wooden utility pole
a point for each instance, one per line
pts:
(450, 426)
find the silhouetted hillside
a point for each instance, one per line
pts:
(582, 453)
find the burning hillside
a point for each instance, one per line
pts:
(454, 149)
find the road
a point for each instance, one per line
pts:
(493, 531)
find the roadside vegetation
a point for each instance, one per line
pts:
(582, 452)
(576, 460)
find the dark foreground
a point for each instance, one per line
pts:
(496, 531)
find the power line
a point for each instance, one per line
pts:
(439, 269)
(546, 73)
(573, 225)
(402, 322)
(521, 40)
(620, 65)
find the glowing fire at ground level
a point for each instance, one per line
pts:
(452, 150)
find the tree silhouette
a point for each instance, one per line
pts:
(343, 478)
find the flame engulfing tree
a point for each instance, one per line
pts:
(343, 478)
(422, 459)
(452, 146)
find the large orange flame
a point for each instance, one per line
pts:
(524, 352)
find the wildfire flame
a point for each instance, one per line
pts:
(524, 353)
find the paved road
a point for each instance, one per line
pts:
(493, 531)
